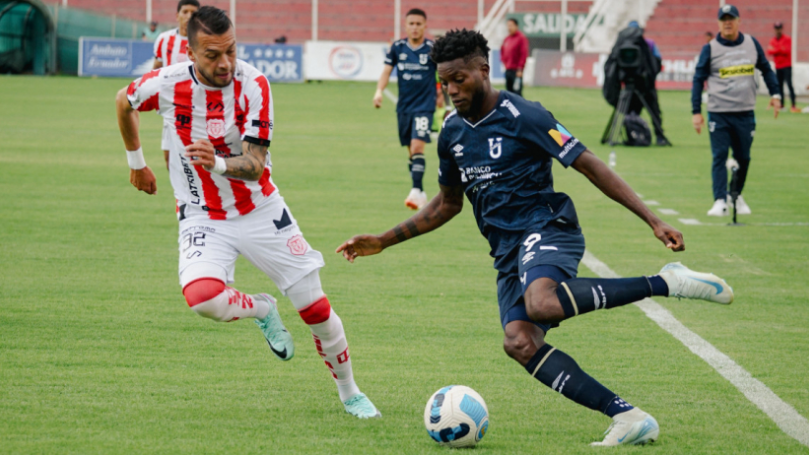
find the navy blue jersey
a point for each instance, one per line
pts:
(416, 72)
(504, 163)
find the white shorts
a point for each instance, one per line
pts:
(165, 142)
(268, 237)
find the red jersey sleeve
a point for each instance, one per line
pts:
(258, 122)
(144, 92)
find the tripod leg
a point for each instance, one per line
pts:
(608, 130)
(658, 125)
(620, 114)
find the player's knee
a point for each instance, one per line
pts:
(207, 297)
(519, 346)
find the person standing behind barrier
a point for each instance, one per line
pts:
(728, 63)
(781, 50)
(513, 54)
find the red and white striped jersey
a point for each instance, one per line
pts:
(171, 47)
(226, 116)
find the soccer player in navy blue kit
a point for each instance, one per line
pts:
(498, 149)
(417, 95)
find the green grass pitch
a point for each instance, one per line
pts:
(99, 353)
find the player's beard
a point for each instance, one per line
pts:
(212, 79)
(476, 104)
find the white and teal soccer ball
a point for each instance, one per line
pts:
(456, 416)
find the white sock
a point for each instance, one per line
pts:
(331, 343)
(231, 305)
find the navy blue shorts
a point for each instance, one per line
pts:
(555, 244)
(415, 125)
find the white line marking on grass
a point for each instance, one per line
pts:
(784, 415)
(391, 96)
(691, 221)
(668, 211)
(651, 202)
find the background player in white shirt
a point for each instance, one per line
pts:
(170, 48)
(219, 111)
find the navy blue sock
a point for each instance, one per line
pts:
(417, 166)
(561, 373)
(659, 286)
(617, 406)
(583, 295)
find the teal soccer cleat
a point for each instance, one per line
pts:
(360, 406)
(633, 427)
(278, 338)
(684, 282)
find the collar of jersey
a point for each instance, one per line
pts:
(196, 81)
(487, 115)
(407, 43)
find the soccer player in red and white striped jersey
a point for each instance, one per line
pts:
(220, 115)
(170, 48)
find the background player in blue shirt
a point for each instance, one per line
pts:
(498, 149)
(417, 96)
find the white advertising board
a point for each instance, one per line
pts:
(342, 60)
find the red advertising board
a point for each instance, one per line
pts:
(571, 69)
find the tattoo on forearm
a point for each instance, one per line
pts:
(400, 235)
(412, 228)
(250, 165)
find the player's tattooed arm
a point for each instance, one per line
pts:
(250, 165)
(443, 207)
(618, 190)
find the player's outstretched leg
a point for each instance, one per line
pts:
(330, 341)
(577, 296)
(211, 298)
(524, 342)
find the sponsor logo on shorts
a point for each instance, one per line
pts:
(297, 245)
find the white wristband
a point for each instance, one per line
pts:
(219, 166)
(135, 159)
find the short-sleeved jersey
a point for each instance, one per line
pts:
(171, 47)
(416, 73)
(504, 164)
(226, 116)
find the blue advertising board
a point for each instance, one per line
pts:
(279, 62)
(128, 58)
(114, 57)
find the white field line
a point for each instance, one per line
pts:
(391, 96)
(784, 415)
(668, 211)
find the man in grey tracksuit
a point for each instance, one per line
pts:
(727, 62)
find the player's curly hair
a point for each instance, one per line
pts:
(465, 44)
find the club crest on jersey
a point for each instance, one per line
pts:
(216, 128)
(402, 56)
(424, 58)
(297, 245)
(495, 147)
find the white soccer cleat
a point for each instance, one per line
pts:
(684, 282)
(360, 406)
(720, 208)
(741, 207)
(632, 427)
(416, 199)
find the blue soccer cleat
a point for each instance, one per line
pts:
(684, 282)
(278, 338)
(360, 406)
(633, 427)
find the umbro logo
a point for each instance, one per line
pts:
(458, 149)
